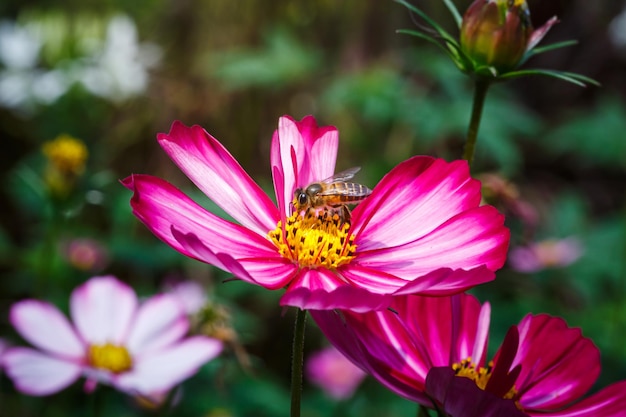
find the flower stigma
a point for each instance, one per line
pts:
(467, 369)
(315, 240)
(110, 357)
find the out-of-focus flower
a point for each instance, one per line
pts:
(533, 369)
(498, 190)
(109, 60)
(66, 157)
(138, 349)
(551, 253)
(421, 231)
(333, 373)
(85, 254)
(190, 294)
(66, 154)
(617, 30)
(496, 37)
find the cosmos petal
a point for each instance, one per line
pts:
(102, 310)
(43, 325)
(608, 402)
(35, 373)
(303, 153)
(163, 208)
(319, 289)
(214, 171)
(160, 322)
(162, 370)
(412, 200)
(473, 238)
(548, 380)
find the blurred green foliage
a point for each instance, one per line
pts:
(234, 68)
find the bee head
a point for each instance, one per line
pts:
(301, 196)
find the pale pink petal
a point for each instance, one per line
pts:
(319, 289)
(213, 169)
(103, 309)
(44, 326)
(161, 371)
(160, 321)
(163, 208)
(473, 238)
(547, 350)
(608, 402)
(303, 153)
(330, 370)
(413, 199)
(35, 373)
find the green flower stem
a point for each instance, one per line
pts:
(480, 93)
(297, 360)
(422, 411)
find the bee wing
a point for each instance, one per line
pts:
(342, 176)
(349, 189)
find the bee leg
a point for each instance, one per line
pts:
(345, 215)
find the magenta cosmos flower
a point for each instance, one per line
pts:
(427, 347)
(421, 231)
(138, 349)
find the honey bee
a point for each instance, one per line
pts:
(333, 193)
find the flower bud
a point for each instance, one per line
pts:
(496, 33)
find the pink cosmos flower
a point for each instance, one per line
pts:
(542, 367)
(551, 253)
(421, 231)
(138, 349)
(333, 373)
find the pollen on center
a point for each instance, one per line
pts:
(110, 357)
(315, 240)
(480, 375)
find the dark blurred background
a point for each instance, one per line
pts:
(113, 74)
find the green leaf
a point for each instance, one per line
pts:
(454, 11)
(551, 47)
(442, 32)
(571, 77)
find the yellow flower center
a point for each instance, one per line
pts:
(110, 357)
(315, 240)
(466, 368)
(66, 154)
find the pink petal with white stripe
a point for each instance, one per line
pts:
(303, 153)
(473, 238)
(44, 326)
(320, 289)
(608, 402)
(35, 373)
(413, 199)
(213, 169)
(163, 208)
(103, 309)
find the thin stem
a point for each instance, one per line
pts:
(480, 92)
(297, 360)
(422, 411)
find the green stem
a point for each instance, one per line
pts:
(480, 93)
(297, 360)
(422, 411)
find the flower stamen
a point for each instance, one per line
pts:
(315, 239)
(467, 369)
(110, 357)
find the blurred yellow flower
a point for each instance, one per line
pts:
(66, 154)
